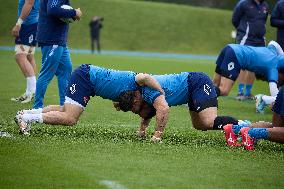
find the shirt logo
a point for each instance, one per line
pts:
(207, 89)
(86, 99)
(31, 38)
(231, 138)
(231, 66)
(73, 88)
(265, 10)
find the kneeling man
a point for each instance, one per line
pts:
(87, 81)
(192, 88)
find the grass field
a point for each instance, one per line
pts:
(102, 151)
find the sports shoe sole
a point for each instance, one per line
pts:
(230, 136)
(23, 127)
(247, 141)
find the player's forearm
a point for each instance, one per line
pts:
(277, 23)
(261, 124)
(161, 122)
(143, 127)
(235, 22)
(141, 133)
(59, 12)
(153, 83)
(144, 124)
(236, 18)
(162, 114)
(26, 9)
(147, 80)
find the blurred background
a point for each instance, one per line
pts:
(170, 26)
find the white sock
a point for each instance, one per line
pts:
(31, 85)
(33, 118)
(33, 111)
(268, 99)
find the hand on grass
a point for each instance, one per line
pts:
(141, 135)
(156, 138)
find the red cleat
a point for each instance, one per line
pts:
(247, 141)
(231, 137)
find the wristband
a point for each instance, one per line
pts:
(19, 22)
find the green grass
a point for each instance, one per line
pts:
(103, 148)
(144, 26)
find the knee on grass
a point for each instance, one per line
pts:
(204, 126)
(70, 121)
(224, 92)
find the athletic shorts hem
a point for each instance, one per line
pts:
(24, 49)
(73, 102)
(213, 102)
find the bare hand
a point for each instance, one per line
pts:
(141, 135)
(156, 140)
(157, 137)
(16, 30)
(78, 14)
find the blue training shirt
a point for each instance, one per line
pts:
(249, 18)
(260, 60)
(33, 16)
(109, 84)
(174, 85)
(51, 30)
(277, 20)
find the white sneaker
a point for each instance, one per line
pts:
(20, 112)
(259, 104)
(19, 98)
(24, 127)
(30, 111)
(29, 98)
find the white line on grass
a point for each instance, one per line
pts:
(112, 184)
(135, 54)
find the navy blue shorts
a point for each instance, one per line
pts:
(228, 64)
(27, 35)
(201, 92)
(80, 88)
(278, 106)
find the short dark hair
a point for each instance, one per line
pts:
(126, 100)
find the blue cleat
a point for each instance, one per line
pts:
(260, 104)
(244, 123)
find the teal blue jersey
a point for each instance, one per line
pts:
(109, 84)
(260, 60)
(33, 16)
(175, 87)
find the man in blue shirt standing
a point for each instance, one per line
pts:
(25, 33)
(52, 38)
(277, 20)
(249, 19)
